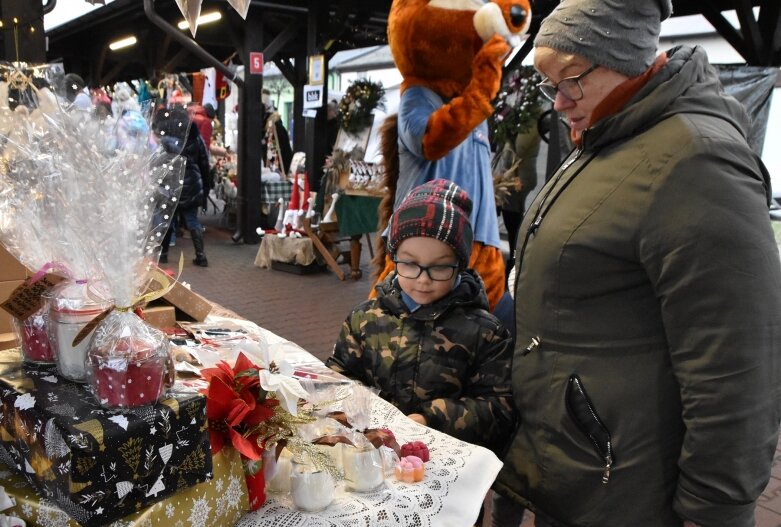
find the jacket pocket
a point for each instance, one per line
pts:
(581, 411)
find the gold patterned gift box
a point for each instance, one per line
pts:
(219, 502)
(95, 464)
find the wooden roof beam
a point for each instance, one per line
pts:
(175, 60)
(112, 74)
(750, 29)
(725, 29)
(285, 36)
(770, 27)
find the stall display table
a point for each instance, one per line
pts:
(357, 216)
(457, 478)
(272, 248)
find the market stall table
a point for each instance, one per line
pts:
(272, 248)
(458, 476)
(356, 214)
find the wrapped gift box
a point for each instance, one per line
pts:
(95, 464)
(6, 288)
(219, 502)
(10, 268)
(160, 317)
(189, 302)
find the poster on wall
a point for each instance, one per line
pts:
(313, 96)
(316, 69)
(348, 142)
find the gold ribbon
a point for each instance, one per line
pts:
(156, 276)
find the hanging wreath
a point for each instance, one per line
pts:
(518, 105)
(357, 105)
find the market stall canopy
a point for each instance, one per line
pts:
(757, 39)
(84, 44)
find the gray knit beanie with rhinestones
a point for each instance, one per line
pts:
(621, 35)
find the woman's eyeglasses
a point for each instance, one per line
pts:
(569, 87)
(438, 273)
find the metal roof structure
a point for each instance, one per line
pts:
(82, 44)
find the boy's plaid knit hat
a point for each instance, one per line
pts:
(438, 209)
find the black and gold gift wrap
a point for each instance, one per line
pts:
(219, 502)
(98, 465)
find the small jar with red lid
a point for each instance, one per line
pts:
(33, 337)
(128, 362)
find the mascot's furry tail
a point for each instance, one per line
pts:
(389, 147)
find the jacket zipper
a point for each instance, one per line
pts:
(417, 365)
(607, 451)
(538, 215)
(533, 345)
(562, 170)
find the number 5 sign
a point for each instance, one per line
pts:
(256, 63)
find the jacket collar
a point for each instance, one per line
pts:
(621, 95)
(686, 82)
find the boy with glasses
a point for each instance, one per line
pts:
(428, 342)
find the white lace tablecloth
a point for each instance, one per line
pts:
(457, 479)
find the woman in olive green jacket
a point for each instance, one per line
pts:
(646, 369)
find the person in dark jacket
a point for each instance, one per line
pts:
(193, 187)
(647, 369)
(427, 341)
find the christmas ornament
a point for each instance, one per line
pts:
(191, 10)
(241, 7)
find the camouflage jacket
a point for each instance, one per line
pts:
(450, 360)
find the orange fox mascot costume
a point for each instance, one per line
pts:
(450, 53)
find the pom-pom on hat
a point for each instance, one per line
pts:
(621, 35)
(438, 209)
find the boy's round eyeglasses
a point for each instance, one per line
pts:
(438, 273)
(569, 87)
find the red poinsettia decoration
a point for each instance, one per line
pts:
(237, 406)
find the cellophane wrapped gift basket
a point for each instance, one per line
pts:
(34, 226)
(98, 196)
(84, 204)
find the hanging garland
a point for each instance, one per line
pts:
(355, 108)
(518, 105)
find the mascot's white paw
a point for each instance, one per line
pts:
(489, 21)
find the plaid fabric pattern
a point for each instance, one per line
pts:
(271, 191)
(438, 209)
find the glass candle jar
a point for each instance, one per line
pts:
(33, 338)
(128, 362)
(363, 469)
(70, 307)
(312, 489)
(278, 477)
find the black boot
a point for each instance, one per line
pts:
(200, 257)
(164, 246)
